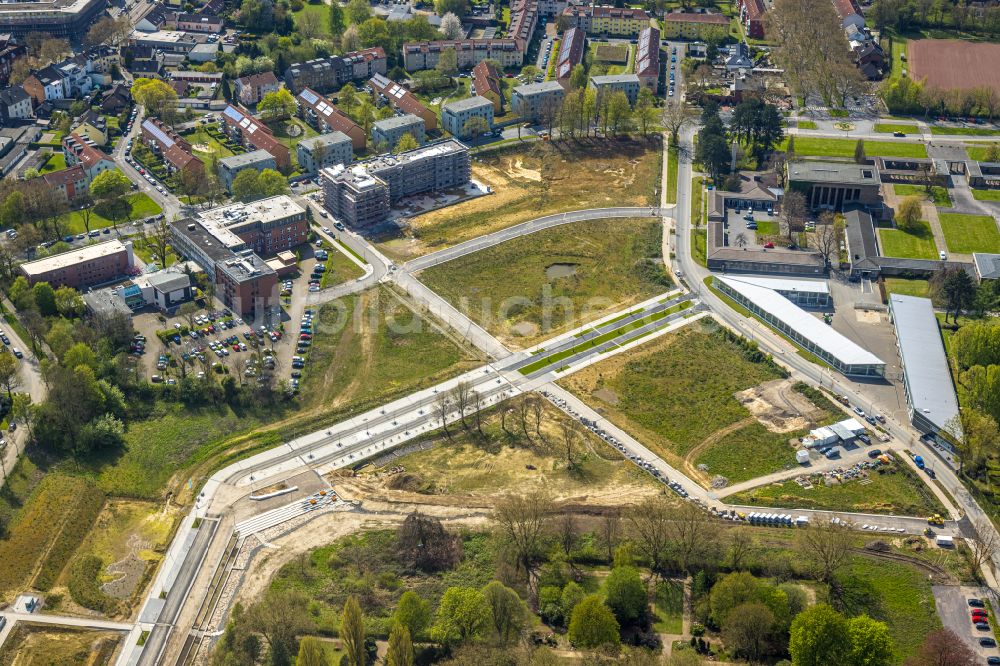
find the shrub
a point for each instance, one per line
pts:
(85, 588)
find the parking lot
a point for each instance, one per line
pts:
(953, 607)
(738, 223)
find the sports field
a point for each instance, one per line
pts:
(954, 64)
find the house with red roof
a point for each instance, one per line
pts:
(255, 135)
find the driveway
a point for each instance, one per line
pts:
(953, 609)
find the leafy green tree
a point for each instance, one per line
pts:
(413, 612)
(593, 625)
(69, 302)
(462, 615)
(908, 213)
(358, 11)
(277, 105)
(625, 595)
(348, 97)
(871, 643)
(156, 97)
(508, 613)
(374, 32)
(352, 632)
(819, 637)
(80, 355)
(859, 152)
(20, 294)
(572, 594)
(271, 183)
(12, 210)
(280, 617)
(578, 77)
(45, 298)
(405, 143)
(748, 630)
(447, 63)
(9, 374)
(958, 290)
(311, 653)
(109, 189)
(337, 24)
(400, 650)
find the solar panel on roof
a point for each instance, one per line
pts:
(158, 134)
(233, 114)
(309, 96)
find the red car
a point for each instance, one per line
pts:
(978, 612)
(769, 245)
(305, 336)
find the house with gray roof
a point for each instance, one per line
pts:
(388, 132)
(258, 160)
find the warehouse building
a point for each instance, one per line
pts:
(930, 393)
(770, 299)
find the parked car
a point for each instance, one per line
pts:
(874, 453)
(976, 603)
(987, 642)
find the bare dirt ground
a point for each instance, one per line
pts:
(778, 407)
(954, 63)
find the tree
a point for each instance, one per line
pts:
(447, 63)
(158, 240)
(413, 613)
(462, 615)
(748, 629)
(826, 547)
(457, 7)
(593, 625)
(272, 183)
(829, 230)
(694, 538)
(713, 153)
(859, 152)
(794, 213)
(625, 595)
(451, 26)
(943, 647)
(336, 19)
(347, 97)
(757, 125)
(358, 11)
(985, 546)
(819, 636)
(311, 653)
(45, 298)
(109, 189)
(958, 290)
(400, 650)
(405, 143)
(9, 376)
(280, 617)
(476, 126)
(156, 97)
(350, 41)
(522, 520)
(649, 524)
(424, 544)
(578, 77)
(352, 632)
(871, 643)
(909, 213)
(277, 105)
(507, 612)
(309, 24)
(374, 32)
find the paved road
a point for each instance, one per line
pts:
(518, 230)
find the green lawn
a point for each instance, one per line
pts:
(322, 12)
(675, 391)
(938, 194)
(668, 607)
(915, 244)
(548, 282)
(889, 128)
(970, 233)
(56, 162)
(965, 131)
(339, 269)
(697, 201)
(806, 124)
(914, 287)
(202, 139)
(820, 147)
(748, 453)
(896, 490)
(699, 249)
(142, 206)
(986, 195)
(768, 228)
(977, 151)
(672, 175)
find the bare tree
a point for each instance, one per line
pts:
(740, 240)
(676, 114)
(985, 546)
(828, 232)
(537, 412)
(793, 213)
(461, 394)
(694, 536)
(523, 411)
(649, 523)
(611, 531)
(569, 441)
(742, 545)
(826, 547)
(478, 405)
(522, 520)
(568, 532)
(441, 408)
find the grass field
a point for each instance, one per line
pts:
(820, 147)
(35, 645)
(339, 269)
(938, 194)
(145, 251)
(531, 181)
(748, 453)
(56, 162)
(672, 175)
(697, 201)
(897, 491)
(675, 391)
(915, 244)
(965, 131)
(668, 607)
(372, 345)
(508, 462)
(986, 195)
(699, 246)
(970, 233)
(768, 228)
(322, 16)
(978, 151)
(202, 139)
(545, 283)
(283, 131)
(142, 206)
(889, 128)
(806, 124)
(915, 287)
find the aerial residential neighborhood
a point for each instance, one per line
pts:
(500, 333)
